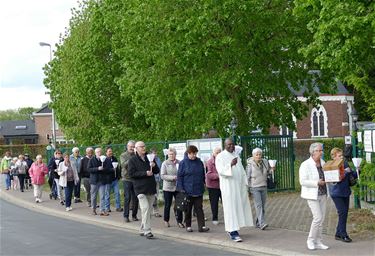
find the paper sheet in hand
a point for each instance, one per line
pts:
(332, 176)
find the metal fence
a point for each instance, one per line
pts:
(274, 147)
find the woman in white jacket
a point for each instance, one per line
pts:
(68, 178)
(314, 190)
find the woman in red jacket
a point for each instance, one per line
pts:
(37, 172)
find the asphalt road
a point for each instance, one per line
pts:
(25, 232)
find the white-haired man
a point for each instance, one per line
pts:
(75, 160)
(84, 174)
(233, 186)
(142, 172)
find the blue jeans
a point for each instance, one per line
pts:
(68, 193)
(260, 196)
(103, 188)
(77, 190)
(342, 206)
(6, 178)
(116, 191)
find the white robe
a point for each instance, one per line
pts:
(233, 185)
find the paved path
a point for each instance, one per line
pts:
(286, 211)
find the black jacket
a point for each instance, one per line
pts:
(84, 168)
(116, 174)
(103, 176)
(142, 183)
(52, 166)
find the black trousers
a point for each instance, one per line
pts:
(129, 195)
(214, 194)
(21, 178)
(168, 197)
(197, 202)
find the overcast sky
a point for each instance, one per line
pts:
(23, 24)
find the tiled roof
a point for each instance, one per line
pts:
(17, 128)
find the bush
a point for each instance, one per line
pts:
(301, 147)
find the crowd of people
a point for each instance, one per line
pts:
(141, 173)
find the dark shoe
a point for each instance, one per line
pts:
(22, 190)
(345, 239)
(77, 200)
(94, 212)
(158, 215)
(204, 229)
(62, 202)
(180, 225)
(149, 235)
(126, 219)
(119, 209)
(135, 219)
(109, 210)
(50, 196)
(263, 227)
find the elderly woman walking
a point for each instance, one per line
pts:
(37, 172)
(257, 171)
(68, 178)
(169, 177)
(314, 190)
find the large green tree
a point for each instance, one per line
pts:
(343, 42)
(174, 69)
(19, 114)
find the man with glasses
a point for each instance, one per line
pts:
(142, 172)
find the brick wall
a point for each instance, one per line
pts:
(43, 126)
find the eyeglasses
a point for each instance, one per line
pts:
(318, 150)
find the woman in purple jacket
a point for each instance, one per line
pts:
(213, 185)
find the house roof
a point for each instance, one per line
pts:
(44, 110)
(17, 128)
(341, 90)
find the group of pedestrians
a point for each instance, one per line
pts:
(15, 171)
(223, 175)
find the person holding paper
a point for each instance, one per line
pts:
(142, 171)
(257, 170)
(314, 190)
(115, 177)
(340, 194)
(233, 186)
(190, 179)
(68, 179)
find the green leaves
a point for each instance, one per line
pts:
(176, 69)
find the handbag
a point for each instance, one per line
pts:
(182, 201)
(271, 183)
(352, 180)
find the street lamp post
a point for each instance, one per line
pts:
(354, 114)
(53, 112)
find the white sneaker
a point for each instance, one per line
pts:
(215, 222)
(321, 246)
(70, 208)
(40, 200)
(310, 245)
(67, 209)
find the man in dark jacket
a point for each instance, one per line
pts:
(142, 172)
(100, 168)
(115, 177)
(84, 174)
(129, 193)
(53, 177)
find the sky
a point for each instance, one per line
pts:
(23, 24)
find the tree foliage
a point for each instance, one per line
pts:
(343, 42)
(19, 114)
(174, 69)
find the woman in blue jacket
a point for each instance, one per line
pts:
(340, 194)
(190, 179)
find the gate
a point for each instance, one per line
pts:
(276, 147)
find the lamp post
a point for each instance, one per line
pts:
(354, 114)
(42, 44)
(233, 125)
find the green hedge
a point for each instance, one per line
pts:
(301, 147)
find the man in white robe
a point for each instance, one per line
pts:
(233, 186)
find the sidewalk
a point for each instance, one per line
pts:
(285, 211)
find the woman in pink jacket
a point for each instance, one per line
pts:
(37, 172)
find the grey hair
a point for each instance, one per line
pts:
(131, 142)
(216, 149)
(39, 157)
(89, 149)
(314, 146)
(257, 150)
(75, 149)
(172, 149)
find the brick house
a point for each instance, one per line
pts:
(43, 126)
(331, 119)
